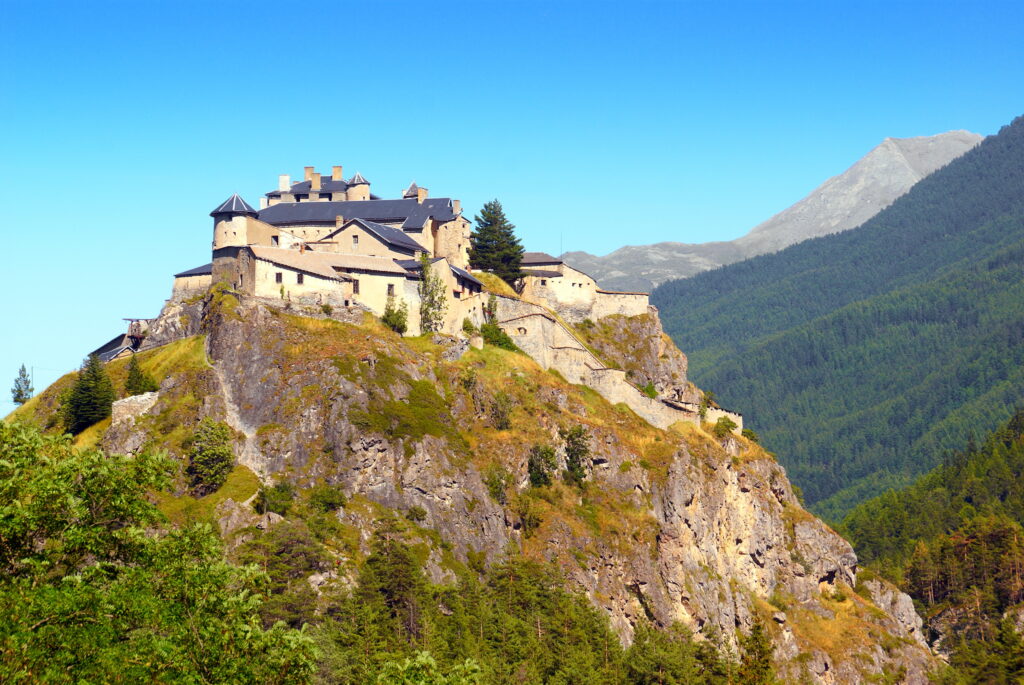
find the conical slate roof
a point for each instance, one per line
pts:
(358, 180)
(234, 205)
(411, 190)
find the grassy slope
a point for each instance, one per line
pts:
(860, 356)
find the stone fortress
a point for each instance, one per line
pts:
(330, 244)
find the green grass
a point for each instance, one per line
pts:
(240, 486)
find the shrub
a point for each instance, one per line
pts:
(210, 456)
(751, 435)
(396, 317)
(468, 328)
(723, 427)
(493, 335)
(498, 480)
(501, 411)
(326, 498)
(416, 514)
(138, 382)
(327, 309)
(577, 448)
(650, 390)
(277, 498)
(529, 514)
(540, 464)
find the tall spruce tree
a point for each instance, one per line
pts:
(91, 397)
(494, 245)
(138, 381)
(21, 392)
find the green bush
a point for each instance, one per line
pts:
(498, 480)
(468, 328)
(277, 498)
(138, 382)
(327, 309)
(416, 514)
(210, 456)
(650, 390)
(723, 427)
(751, 435)
(396, 317)
(540, 464)
(326, 498)
(501, 411)
(577, 449)
(493, 335)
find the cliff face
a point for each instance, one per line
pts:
(672, 525)
(839, 204)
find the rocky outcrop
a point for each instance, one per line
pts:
(839, 204)
(671, 526)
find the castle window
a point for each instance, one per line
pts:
(279, 277)
(543, 281)
(355, 287)
(274, 240)
(391, 289)
(355, 240)
(298, 278)
(457, 293)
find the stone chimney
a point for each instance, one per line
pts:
(284, 182)
(421, 195)
(309, 173)
(314, 182)
(339, 221)
(336, 173)
(457, 206)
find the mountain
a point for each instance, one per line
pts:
(413, 493)
(839, 204)
(862, 355)
(955, 540)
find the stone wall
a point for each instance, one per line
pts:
(607, 303)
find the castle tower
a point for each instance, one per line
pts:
(229, 222)
(358, 188)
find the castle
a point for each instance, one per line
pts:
(330, 243)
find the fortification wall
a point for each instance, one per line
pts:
(187, 286)
(714, 413)
(627, 304)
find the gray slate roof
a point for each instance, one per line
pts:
(389, 235)
(205, 270)
(539, 258)
(358, 180)
(411, 213)
(413, 266)
(233, 205)
(327, 185)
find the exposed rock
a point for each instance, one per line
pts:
(131, 407)
(233, 517)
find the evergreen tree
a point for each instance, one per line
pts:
(91, 396)
(22, 390)
(756, 663)
(495, 247)
(432, 300)
(211, 456)
(139, 381)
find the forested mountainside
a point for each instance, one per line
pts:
(416, 502)
(954, 540)
(839, 204)
(860, 356)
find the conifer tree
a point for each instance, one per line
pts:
(432, 301)
(22, 390)
(138, 381)
(91, 397)
(495, 247)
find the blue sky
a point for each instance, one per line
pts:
(596, 124)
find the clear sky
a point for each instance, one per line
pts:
(596, 124)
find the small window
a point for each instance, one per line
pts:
(355, 287)
(391, 289)
(355, 240)
(279, 277)
(457, 293)
(298, 278)
(275, 240)
(543, 281)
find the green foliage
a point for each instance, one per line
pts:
(138, 382)
(865, 355)
(91, 396)
(21, 391)
(327, 309)
(723, 427)
(211, 456)
(650, 390)
(999, 659)
(516, 623)
(468, 328)
(325, 498)
(87, 588)
(577, 449)
(278, 498)
(494, 245)
(416, 514)
(540, 464)
(433, 303)
(498, 480)
(750, 435)
(756, 659)
(491, 309)
(493, 335)
(396, 317)
(501, 410)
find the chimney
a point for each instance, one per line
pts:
(336, 173)
(314, 182)
(284, 182)
(339, 221)
(421, 195)
(457, 206)
(309, 173)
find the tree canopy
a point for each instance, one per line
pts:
(138, 381)
(494, 245)
(91, 397)
(21, 391)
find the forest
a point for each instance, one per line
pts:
(954, 541)
(859, 357)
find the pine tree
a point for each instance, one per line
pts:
(432, 300)
(91, 397)
(22, 390)
(756, 662)
(495, 247)
(138, 381)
